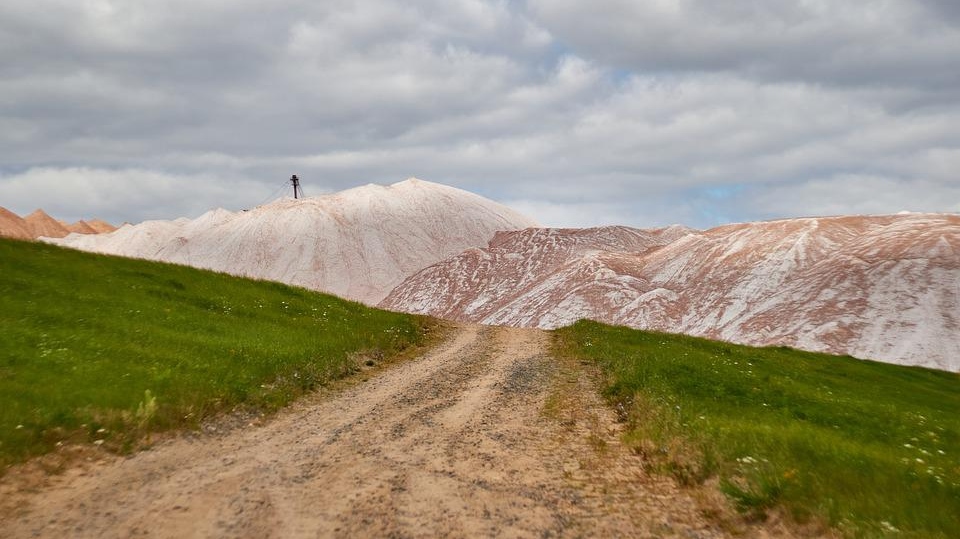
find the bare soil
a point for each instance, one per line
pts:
(483, 436)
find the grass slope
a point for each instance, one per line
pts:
(871, 448)
(104, 348)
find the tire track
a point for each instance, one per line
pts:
(454, 443)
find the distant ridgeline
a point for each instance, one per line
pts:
(39, 224)
(877, 287)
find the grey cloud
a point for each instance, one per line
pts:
(844, 43)
(122, 195)
(857, 194)
(190, 74)
(948, 9)
(635, 111)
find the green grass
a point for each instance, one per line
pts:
(104, 348)
(866, 447)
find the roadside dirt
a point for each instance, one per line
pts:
(483, 436)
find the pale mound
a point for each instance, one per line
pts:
(358, 243)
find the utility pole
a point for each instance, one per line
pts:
(296, 186)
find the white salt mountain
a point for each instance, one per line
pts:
(357, 244)
(885, 288)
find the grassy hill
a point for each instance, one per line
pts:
(872, 449)
(104, 350)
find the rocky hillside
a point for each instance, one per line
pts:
(358, 243)
(886, 287)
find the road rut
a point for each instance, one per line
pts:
(454, 443)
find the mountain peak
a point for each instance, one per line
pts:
(42, 225)
(359, 243)
(38, 214)
(13, 226)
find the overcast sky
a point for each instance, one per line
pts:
(638, 112)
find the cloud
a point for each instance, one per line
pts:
(641, 112)
(853, 43)
(290, 79)
(123, 195)
(638, 211)
(857, 194)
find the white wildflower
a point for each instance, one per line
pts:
(888, 527)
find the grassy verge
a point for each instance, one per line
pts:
(97, 349)
(873, 449)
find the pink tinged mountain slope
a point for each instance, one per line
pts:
(80, 227)
(41, 224)
(13, 226)
(885, 288)
(513, 281)
(358, 243)
(99, 226)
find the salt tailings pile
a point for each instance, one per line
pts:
(13, 226)
(357, 244)
(881, 287)
(39, 224)
(884, 288)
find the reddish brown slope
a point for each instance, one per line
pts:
(480, 283)
(879, 287)
(80, 227)
(42, 225)
(13, 226)
(100, 226)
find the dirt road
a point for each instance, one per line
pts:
(483, 436)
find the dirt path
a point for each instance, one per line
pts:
(455, 443)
